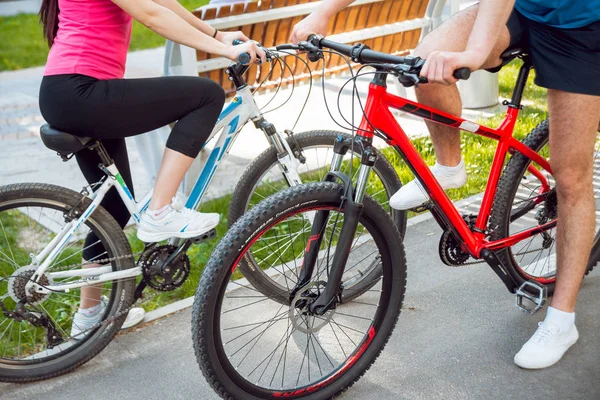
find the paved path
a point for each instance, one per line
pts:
(23, 158)
(454, 340)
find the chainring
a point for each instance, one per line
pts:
(162, 277)
(451, 253)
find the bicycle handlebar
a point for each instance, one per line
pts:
(362, 54)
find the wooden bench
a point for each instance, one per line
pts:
(391, 26)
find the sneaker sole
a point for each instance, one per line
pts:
(150, 237)
(525, 365)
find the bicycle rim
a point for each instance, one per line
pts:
(272, 349)
(26, 227)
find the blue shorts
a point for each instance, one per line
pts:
(563, 59)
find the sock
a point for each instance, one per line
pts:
(444, 170)
(158, 214)
(562, 320)
(92, 311)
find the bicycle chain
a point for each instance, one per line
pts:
(137, 303)
(518, 254)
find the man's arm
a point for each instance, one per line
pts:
(491, 19)
(316, 23)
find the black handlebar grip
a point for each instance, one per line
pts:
(462, 73)
(244, 58)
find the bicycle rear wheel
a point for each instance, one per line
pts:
(30, 217)
(250, 346)
(521, 204)
(264, 178)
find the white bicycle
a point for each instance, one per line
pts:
(42, 228)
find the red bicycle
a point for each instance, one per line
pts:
(321, 239)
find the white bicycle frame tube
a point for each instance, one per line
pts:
(233, 117)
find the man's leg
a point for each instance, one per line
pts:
(452, 35)
(573, 123)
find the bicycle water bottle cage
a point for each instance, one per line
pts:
(531, 297)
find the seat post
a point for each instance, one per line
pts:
(102, 153)
(521, 82)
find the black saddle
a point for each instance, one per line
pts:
(508, 55)
(61, 142)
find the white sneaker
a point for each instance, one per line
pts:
(546, 347)
(134, 317)
(413, 195)
(82, 323)
(178, 222)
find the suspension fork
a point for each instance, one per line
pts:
(319, 223)
(352, 202)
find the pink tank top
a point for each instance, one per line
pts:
(93, 38)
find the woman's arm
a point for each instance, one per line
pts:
(171, 26)
(187, 16)
(317, 21)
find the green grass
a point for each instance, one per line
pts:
(477, 153)
(23, 44)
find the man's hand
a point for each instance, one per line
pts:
(440, 65)
(314, 24)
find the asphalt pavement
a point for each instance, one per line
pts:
(455, 339)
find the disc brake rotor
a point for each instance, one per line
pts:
(302, 319)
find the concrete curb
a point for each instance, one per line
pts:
(187, 302)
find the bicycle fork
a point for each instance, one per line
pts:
(352, 205)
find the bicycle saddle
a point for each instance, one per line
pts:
(61, 142)
(509, 54)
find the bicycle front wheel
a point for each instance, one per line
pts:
(521, 203)
(250, 346)
(31, 215)
(264, 178)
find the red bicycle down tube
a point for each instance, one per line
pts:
(378, 116)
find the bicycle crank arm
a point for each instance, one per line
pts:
(494, 262)
(327, 298)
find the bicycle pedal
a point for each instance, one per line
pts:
(422, 208)
(207, 236)
(531, 297)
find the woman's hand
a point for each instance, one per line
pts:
(314, 24)
(255, 52)
(228, 37)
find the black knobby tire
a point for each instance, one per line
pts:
(507, 190)
(265, 161)
(115, 242)
(210, 293)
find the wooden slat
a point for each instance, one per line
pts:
(363, 16)
(299, 67)
(218, 75)
(249, 31)
(275, 32)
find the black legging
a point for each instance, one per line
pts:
(111, 110)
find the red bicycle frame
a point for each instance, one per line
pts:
(377, 116)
